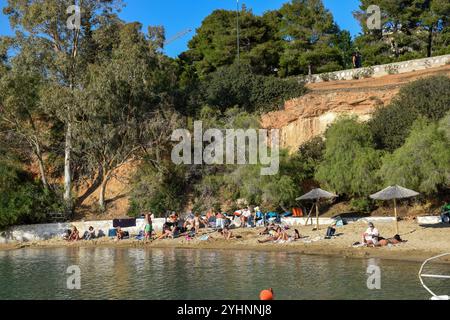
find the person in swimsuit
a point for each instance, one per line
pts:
(148, 230)
(227, 234)
(120, 234)
(75, 234)
(393, 241)
(197, 223)
(274, 235)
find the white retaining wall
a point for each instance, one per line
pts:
(48, 231)
(54, 230)
(429, 220)
(382, 70)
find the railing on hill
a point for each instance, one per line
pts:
(379, 70)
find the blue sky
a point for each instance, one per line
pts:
(179, 15)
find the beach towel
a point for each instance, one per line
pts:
(124, 223)
(140, 236)
(297, 212)
(204, 238)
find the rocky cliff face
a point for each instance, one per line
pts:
(308, 116)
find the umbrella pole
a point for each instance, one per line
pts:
(317, 214)
(309, 215)
(396, 217)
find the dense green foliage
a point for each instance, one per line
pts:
(78, 105)
(350, 160)
(302, 37)
(237, 85)
(423, 162)
(411, 29)
(426, 97)
(21, 199)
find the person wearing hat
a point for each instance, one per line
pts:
(371, 236)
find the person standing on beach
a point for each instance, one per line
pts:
(197, 223)
(148, 231)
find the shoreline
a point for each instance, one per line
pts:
(423, 242)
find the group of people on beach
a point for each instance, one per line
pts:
(190, 227)
(74, 234)
(372, 238)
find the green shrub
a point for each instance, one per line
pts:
(350, 162)
(22, 201)
(363, 205)
(428, 97)
(238, 86)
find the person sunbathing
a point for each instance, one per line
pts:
(167, 232)
(371, 236)
(120, 234)
(391, 241)
(74, 235)
(227, 234)
(274, 235)
(267, 229)
(90, 234)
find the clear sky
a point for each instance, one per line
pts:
(179, 15)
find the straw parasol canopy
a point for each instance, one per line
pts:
(316, 195)
(394, 193)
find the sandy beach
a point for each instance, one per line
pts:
(422, 242)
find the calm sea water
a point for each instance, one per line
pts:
(108, 273)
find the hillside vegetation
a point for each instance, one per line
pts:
(78, 106)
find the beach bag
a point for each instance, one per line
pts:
(339, 222)
(112, 233)
(330, 232)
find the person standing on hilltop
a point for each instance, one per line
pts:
(356, 60)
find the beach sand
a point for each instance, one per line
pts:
(422, 242)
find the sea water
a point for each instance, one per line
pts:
(161, 274)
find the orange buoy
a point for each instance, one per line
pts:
(266, 295)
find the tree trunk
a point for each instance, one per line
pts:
(101, 198)
(95, 185)
(41, 165)
(42, 172)
(430, 43)
(67, 169)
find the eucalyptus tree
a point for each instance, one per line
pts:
(64, 48)
(124, 103)
(20, 111)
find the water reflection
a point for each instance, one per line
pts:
(122, 273)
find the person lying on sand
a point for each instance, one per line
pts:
(227, 234)
(297, 235)
(168, 231)
(275, 235)
(267, 229)
(391, 241)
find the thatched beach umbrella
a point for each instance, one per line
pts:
(394, 193)
(316, 195)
